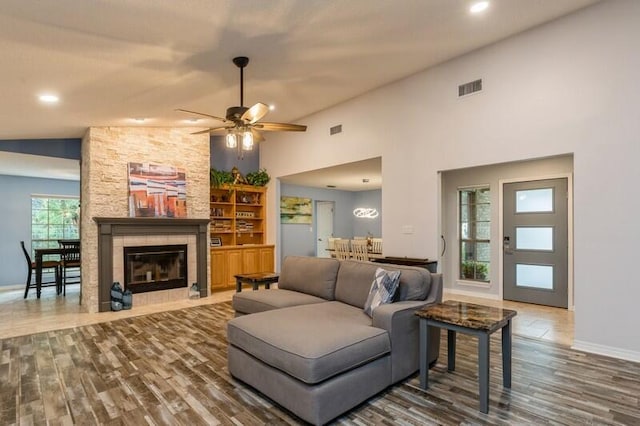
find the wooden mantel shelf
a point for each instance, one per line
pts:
(159, 221)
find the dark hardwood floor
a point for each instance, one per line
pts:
(170, 368)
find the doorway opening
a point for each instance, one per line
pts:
(492, 284)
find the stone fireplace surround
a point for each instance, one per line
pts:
(114, 231)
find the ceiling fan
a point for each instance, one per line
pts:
(242, 124)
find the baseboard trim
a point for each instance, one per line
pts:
(606, 350)
(453, 292)
(12, 287)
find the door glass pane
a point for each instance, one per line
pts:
(534, 200)
(534, 238)
(537, 276)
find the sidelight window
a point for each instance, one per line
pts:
(475, 233)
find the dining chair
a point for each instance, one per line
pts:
(342, 249)
(359, 250)
(376, 245)
(70, 260)
(47, 266)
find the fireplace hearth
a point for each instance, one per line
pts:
(152, 268)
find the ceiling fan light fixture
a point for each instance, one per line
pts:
(231, 140)
(242, 124)
(247, 140)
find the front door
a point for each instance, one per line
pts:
(535, 242)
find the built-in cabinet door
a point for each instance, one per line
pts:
(234, 265)
(218, 270)
(266, 259)
(251, 261)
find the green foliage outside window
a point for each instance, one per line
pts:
(475, 234)
(53, 219)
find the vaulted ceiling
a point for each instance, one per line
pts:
(113, 61)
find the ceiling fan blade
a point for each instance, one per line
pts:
(203, 114)
(255, 113)
(257, 136)
(280, 127)
(212, 129)
(201, 132)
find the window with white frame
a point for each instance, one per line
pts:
(53, 218)
(475, 233)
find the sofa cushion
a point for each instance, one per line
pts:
(312, 342)
(415, 282)
(354, 282)
(249, 302)
(383, 288)
(311, 275)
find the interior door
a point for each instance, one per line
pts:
(535, 242)
(324, 227)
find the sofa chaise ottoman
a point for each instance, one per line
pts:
(309, 345)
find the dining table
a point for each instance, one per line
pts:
(39, 254)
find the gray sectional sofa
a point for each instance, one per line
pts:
(309, 346)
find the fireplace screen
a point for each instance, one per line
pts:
(151, 268)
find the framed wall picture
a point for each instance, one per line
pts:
(296, 210)
(156, 190)
(216, 242)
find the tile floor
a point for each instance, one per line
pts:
(20, 316)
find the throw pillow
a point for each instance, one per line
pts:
(384, 286)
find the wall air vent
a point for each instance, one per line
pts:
(469, 88)
(335, 129)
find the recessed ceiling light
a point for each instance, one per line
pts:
(49, 98)
(139, 120)
(191, 120)
(272, 107)
(479, 6)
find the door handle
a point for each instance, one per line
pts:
(506, 245)
(444, 245)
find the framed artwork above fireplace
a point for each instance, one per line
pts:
(156, 190)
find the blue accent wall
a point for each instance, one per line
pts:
(15, 226)
(61, 148)
(300, 240)
(223, 158)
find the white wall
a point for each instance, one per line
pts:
(567, 87)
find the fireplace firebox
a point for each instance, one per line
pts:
(152, 268)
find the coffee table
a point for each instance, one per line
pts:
(256, 280)
(478, 320)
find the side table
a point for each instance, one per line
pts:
(256, 280)
(480, 321)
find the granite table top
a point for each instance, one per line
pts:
(258, 277)
(470, 315)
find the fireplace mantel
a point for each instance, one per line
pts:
(109, 227)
